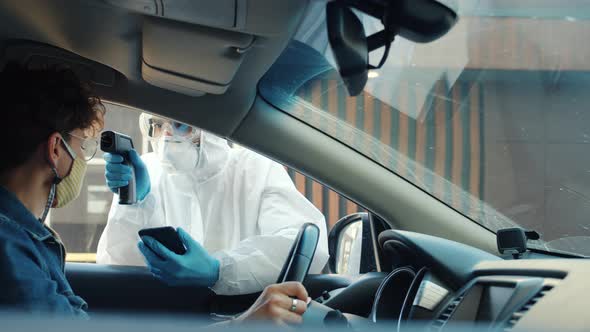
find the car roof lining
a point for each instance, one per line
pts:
(112, 36)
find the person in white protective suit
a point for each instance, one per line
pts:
(237, 212)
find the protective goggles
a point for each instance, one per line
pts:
(154, 127)
(89, 147)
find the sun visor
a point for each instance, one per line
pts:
(191, 59)
(228, 14)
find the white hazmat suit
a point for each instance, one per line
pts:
(242, 207)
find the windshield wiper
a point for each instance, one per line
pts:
(557, 252)
(515, 241)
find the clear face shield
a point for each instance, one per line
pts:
(176, 144)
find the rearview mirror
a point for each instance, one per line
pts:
(349, 45)
(420, 21)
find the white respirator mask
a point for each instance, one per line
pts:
(178, 155)
(176, 144)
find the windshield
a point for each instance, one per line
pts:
(491, 119)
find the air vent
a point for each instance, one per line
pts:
(442, 319)
(517, 315)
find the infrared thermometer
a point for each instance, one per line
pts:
(117, 143)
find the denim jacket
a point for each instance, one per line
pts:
(32, 262)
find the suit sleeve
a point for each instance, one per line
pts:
(118, 242)
(257, 261)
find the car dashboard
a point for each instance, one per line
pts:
(443, 285)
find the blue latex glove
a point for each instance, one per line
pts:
(118, 174)
(195, 268)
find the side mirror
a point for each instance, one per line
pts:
(351, 246)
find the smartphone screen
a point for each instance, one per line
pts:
(167, 236)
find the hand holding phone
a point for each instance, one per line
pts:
(167, 236)
(176, 258)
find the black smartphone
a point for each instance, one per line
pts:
(167, 236)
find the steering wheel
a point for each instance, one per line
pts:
(408, 309)
(298, 261)
(301, 254)
(296, 268)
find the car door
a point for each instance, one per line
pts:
(118, 289)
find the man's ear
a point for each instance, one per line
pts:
(53, 151)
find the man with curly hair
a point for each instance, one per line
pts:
(53, 124)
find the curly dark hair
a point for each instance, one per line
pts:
(39, 102)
